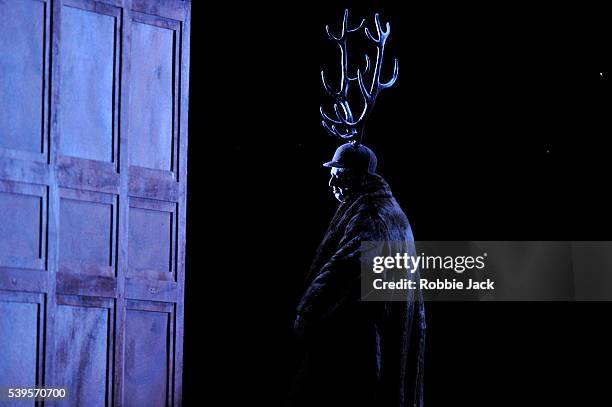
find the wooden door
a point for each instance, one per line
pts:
(93, 160)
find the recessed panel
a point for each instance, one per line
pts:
(146, 358)
(150, 240)
(82, 354)
(151, 96)
(18, 344)
(86, 232)
(21, 74)
(20, 227)
(86, 91)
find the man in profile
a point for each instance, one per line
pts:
(358, 353)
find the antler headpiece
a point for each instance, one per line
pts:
(344, 122)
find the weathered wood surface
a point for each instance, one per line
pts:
(93, 163)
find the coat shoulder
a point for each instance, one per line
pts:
(382, 217)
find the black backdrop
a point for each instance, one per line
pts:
(495, 130)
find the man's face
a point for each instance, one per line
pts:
(339, 182)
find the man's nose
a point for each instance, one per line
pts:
(332, 181)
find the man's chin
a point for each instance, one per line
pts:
(339, 197)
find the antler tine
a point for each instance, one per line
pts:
(342, 32)
(325, 116)
(350, 30)
(334, 131)
(341, 41)
(346, 109)
(366, 69)
(368, 102)
(382, 34)
(364, 91)
(391, 81)
(327, 88)
(345, 29)
(330, 35)
(376, 86)
(346, 117)
(369, 35)
(328, 128)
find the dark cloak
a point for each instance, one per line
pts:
(359, 353)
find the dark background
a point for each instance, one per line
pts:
(495, 130)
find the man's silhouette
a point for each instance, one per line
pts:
(358, 353)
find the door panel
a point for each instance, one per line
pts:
(23, 216)
(153, 63)
(87, 232)
(22, 55)
(153, 231)
(21, 339)
(87, 81)
(148, 349)
(84, 343)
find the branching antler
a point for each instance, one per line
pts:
(344, 124)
